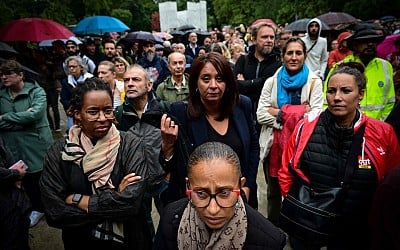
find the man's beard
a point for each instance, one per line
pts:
(264, 51)
(367, 57)
(150, 55)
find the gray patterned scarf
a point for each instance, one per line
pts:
(193, 234)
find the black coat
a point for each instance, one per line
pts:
(256, 72)
(261, 233)
(62, 178)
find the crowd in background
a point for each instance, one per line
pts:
(246, 87)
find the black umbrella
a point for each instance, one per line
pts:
(186, 27)
(177, 33)
(7, 48)
(301, 25)
(26, 69)
(142, 37)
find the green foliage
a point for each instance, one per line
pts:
(137, 13)
(124, 15)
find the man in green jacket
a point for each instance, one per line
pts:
(175, 87)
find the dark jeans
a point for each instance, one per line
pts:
(30, 183)
(52, 97)
(14, 225)
(274, 196)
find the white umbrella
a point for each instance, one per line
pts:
(48, 43)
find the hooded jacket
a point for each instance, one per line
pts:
(317, 55)
(341, 52)
(24, 125)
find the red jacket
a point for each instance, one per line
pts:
(381, 147)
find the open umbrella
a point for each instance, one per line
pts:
(34, 30)
(186, 27)
(98, 25)
(263, 20)
(301, 25)
(388, 46)
(142, 36)
(49, 43)
(163, 35)
(4, 47)
(332, 19)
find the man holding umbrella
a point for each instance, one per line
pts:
(155, 66)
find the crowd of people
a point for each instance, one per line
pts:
(187, 124)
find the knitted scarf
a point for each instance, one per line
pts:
(288, 83)
(193, 234)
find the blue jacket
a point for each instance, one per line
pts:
(160, 65)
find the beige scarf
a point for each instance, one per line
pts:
(98, 160)
(97, 163)
(193, 234)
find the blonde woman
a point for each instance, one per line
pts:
(120, 66)
(107, 72)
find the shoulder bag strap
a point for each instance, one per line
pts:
(312, 46)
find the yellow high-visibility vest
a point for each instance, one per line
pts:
(379, 95)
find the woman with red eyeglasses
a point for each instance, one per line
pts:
(214, 216)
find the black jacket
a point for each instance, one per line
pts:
(148, 128)
(261, 233)
(255, 72)
(62, 178)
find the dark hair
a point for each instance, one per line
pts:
(213, 150)
(11, 65)
(352, 68)
(231, 94)
(220, 37)
(78, 93)
(295, 39)
(256, 29)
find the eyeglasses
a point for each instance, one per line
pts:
(71, 47)
(225, 198)
(94, 114)
(72, 66)
(7, 73)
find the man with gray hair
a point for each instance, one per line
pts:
(175, 87)
(77, 73)
(141, 114)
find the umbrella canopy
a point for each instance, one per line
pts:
(4, 47)
(98, 25)
(388, 46)
(177, 33)
(301, 25)
(333, 19)
(142, 37)
(263, 20)
(186, 27)
(34, 30)
(163, 35)
(49, 43)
